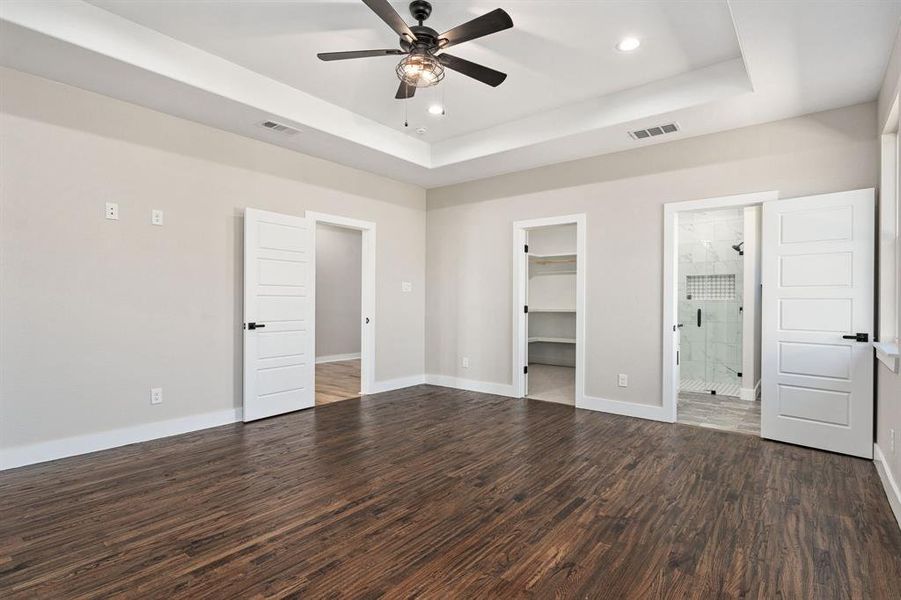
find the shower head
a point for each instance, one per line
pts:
(738, 248)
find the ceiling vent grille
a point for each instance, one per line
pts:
(278, 127)
(643, 134)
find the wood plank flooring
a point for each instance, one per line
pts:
(336, 381)
(438, 493)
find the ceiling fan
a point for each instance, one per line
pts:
(423, 48)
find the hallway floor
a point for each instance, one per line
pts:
(716, 411)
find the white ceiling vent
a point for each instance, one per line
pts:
(279, 127)
(643, 134)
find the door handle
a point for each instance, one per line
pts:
(699, 317)
(857, 337)
(253, 326)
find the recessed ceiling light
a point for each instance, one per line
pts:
(628, 44)
(436, 109)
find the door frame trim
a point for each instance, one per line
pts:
(367, 304)
(521, 280)
(669, 386)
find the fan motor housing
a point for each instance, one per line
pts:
(426, 39)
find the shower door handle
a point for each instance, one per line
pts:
(699, 317)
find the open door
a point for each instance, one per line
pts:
(817, 363)
(278, 315)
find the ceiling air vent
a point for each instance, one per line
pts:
(278, 127)
(643, 134)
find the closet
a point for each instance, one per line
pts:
(552, 313)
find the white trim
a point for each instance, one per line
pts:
(888, 482)
(367, 304)
(396, 384)
(485, 387)
(750, 394)
(669, 386)
(520, 283)
(82, 444)
(337, 358)
(628, 409)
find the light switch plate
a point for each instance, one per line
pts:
(156, 217)
(406, 286)
(112, 211)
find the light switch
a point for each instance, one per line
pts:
(406, 286)
(156, 217)
(112, 211)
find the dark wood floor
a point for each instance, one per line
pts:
(439, 493)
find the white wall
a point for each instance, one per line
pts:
(93, 313)
(469, 299)
(339, 253)
(752, 314)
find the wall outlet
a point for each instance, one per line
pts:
(156, 217)
(622, 380)
(406, 286)
(112, 211)
(156, 395)
(465, 362)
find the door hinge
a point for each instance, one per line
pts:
(526, 248)
(525, 308)
(739, 373)
(525, 370)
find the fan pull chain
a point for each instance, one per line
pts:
(406, 122)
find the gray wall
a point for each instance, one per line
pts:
(93, 313)
(338, 290)
(888, 384)
(469, 298)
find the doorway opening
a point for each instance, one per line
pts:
(343, 284)
(549, 293)
(719, 318)
(339, 263)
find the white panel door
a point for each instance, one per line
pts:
(278, 315)
(817, 363)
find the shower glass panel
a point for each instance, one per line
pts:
(710, 295)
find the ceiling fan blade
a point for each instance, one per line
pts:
(496, 20)
(387, 13)
(471, 69)
(357, 54)
(405, 91)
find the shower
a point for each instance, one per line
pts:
(738, 248)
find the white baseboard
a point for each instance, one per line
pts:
(20, 456)
(888, 482)
(500, 389)
(750, 394)
(628, 409)
(337, 357)
(395, 384)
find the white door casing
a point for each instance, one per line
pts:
(818, 278)
(279, 345)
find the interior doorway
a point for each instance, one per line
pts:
(339, 263)
(549, 292)
(719, 318)
(344, 280)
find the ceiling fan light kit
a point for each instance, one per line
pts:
(423, 48)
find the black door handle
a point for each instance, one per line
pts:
(857, 337)
(699, 317)
(253, 326)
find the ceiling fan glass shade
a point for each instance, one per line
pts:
(420, 70)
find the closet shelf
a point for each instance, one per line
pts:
(552, 310)
(560, 272)
(552, 258)
(553, 340)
